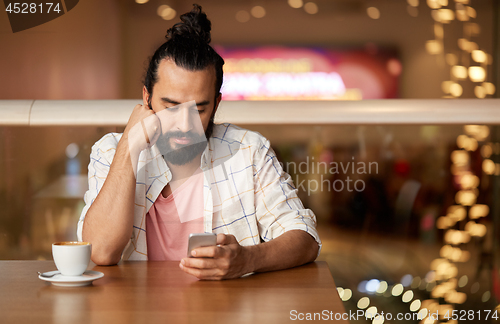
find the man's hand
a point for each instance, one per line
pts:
(225, 261)
(143, 129)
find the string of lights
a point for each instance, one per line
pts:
(467, 62)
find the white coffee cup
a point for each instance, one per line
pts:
(71, 258)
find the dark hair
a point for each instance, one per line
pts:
(188, 46)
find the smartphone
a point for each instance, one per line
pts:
(197, 240)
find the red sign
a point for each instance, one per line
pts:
(298, 73)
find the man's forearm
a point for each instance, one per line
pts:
(290, 249)
(109, 221)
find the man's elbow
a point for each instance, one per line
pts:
(309, 247)
(104, 255)
(105, 259)
(312, 251)
(312, 247)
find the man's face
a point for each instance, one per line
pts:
(185, 103)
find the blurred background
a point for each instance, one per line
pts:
(421, 235)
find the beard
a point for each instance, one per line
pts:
(184, 154)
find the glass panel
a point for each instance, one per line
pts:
(378, 193)
(42, 183)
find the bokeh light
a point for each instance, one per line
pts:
(488, 166)
(295, 3)
(479, 132)
(373, 12)
(347, 294)
(489, 87)
(486, 150)
(477, 73)
(460, 157)
(462, 282)
(471, 12)
(475, 229)
(382, 288)
(362, 286)
(415, 305)
(397, 290)
(372, 285)
(446, 15)
(371, 312)
(242, 16)
(480, 92)
(457, 213)
(463, 44)
(445, 86)
(166, 12)
(454, 297)
(258, 11)
(423, 313)
(456, 237)
(479, 56)
(394, 67)
(407, 296)
(466, 197)
(459, 72)
(478, 211)
(160, 9)
(406, 280)
(72, 150)
(433, 4)
(311, 8)
(433, 47)
(363, 302)
(456, 90)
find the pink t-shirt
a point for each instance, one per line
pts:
(170, 220)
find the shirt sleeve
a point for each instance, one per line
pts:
(278, 208)
(101, 155)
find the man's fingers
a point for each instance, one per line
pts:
(221, 238)
(225, 239)
(152, 126)
(145, 131)
(208, 252)
(199, 263)
(204, 274)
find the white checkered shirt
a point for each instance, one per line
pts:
(246, 192)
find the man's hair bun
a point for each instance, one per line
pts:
(188, 46)
(194, 24)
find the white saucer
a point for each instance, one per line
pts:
(73, 281)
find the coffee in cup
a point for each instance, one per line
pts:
(71, 258)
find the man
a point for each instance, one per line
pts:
(173, 171)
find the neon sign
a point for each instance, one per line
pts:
(281, 73)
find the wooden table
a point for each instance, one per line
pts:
(159, 292)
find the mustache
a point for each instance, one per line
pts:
(190, 135)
